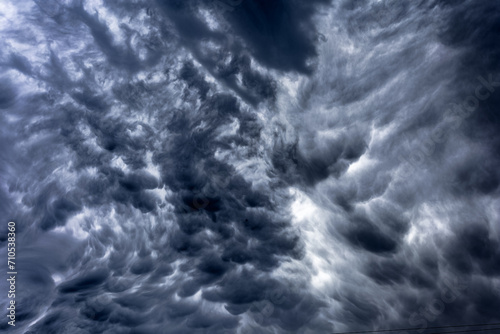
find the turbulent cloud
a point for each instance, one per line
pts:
(248, 166)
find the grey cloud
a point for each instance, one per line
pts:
(155, 156)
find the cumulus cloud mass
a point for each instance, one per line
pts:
(250, 166)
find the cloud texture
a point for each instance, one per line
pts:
(251, 166)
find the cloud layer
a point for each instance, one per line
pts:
(249, 166)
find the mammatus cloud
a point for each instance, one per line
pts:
(251, 166)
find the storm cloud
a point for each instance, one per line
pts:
(251, 166)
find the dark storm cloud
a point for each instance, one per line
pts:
(94, 141)
(385, 196)
(155, 156)
(279, 35)
(475, 32)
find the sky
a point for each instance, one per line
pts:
(250, 166)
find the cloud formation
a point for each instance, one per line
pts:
(255, 167)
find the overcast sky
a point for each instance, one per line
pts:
(250, 166)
